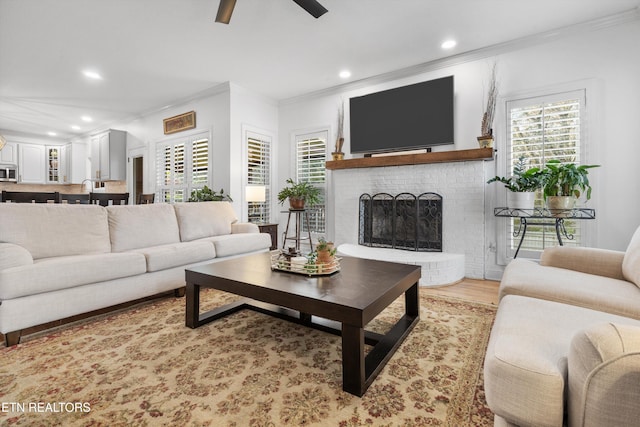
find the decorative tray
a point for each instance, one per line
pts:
(282, 262)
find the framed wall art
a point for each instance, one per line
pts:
(179, 123)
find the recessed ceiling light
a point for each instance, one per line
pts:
(86, 119)
(92, 75)
(345, 74)
(51, 133)
(75, 127)
(448, 44)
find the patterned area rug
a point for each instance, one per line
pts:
(143, 367)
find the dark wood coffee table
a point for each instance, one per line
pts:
(342, 303)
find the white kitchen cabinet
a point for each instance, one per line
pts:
(31, 164)
(77, 161)
(53, 164)
(108, 156)
(57, 164)
(9, 154)
(65, 164)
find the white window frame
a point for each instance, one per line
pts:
(586, 90)
(321, 133)
(270, 198)
(188, 185)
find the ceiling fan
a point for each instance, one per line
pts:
(225, 9)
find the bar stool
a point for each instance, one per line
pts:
(298, 224)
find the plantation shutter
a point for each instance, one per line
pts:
(182, 165)
(259, 173)
(199, 162)
(541, 129)
(311, 154)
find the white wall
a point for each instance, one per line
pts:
(606, 56)
(221, 113)
(607, 62)
(260, 114)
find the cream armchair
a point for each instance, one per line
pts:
(565, 345)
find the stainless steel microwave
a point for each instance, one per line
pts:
(8, 173)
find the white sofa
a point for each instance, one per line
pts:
(59, 260)
(565, 345)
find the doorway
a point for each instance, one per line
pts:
(137, 173)
(138, 178)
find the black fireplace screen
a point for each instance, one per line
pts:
(405, 221)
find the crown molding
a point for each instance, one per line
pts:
(212, 91)
(32, 138)
(473, 55)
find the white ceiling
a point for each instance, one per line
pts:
(152, 53)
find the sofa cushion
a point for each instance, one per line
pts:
(244, 227)
(204, 219)
(527, 278)
(234, 244)
(142, 226)
(51, 274)
(177, 254)
(631, 261)
(525, 370)
(13, 256)
(49, 230)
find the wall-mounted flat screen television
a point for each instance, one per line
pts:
(404, 118)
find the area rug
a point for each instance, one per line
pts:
(143, 367)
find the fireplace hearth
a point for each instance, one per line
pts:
(404, 221)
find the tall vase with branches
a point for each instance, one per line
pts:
(337, 154)
(486, 127)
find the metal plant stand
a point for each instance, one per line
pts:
(544, 217)
(298, 213)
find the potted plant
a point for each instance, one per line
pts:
(207, 195)
(325, 251)
(299, 194)
(522, 185)
(564, 183)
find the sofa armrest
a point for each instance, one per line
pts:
(604, 376)
(601, 262)
(13, 256)
(244, 227)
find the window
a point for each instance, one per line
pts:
(311, 154)
(182, 165)
(259, 173)
(540, 129)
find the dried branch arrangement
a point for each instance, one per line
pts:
(486, 127)
(340, 138)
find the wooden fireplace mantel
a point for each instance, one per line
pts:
(413, 159)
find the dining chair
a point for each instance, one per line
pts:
(73, 199)
(103, 199)
(30, 197)
(144, 199)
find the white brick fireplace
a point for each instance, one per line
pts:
(461, 184)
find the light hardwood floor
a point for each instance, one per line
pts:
(485, 291)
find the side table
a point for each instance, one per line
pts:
(554, 217)
(272, 229)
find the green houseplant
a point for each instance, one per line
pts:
(521, 185)
(299, 194)
(207, 195)
(567, 181)
(325, 251)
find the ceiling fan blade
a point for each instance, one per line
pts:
(313, 7)
(225, 9)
